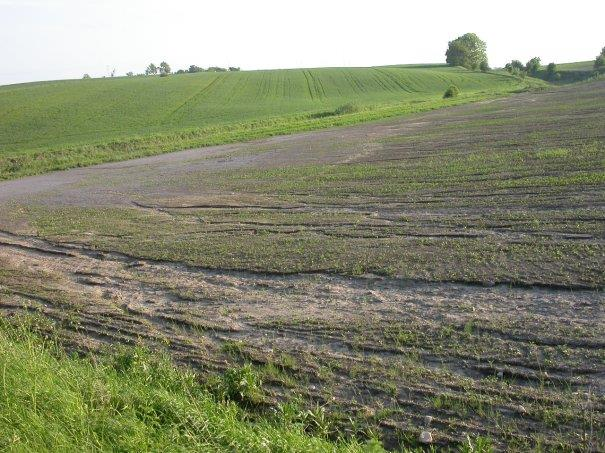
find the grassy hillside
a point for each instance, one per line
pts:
(577, 66)
(54, 125)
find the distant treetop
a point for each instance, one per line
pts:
(152, 69)
(467, 51)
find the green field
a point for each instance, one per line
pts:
(54, 125)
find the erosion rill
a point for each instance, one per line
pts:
(440, 272)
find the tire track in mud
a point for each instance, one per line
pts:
(348, 337)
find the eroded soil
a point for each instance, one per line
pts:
(502, 362)
(449, 264)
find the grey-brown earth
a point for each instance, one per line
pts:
(449, 264)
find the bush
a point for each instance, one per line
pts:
(451, 92)
(194, 68)
(484, 67)
(533, 66)
(551, 71)
(346, 108)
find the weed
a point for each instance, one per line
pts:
(242, 385)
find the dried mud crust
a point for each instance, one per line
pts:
(522, 366)
(510, 191)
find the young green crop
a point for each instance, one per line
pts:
(55, 125)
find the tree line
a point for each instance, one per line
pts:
(164, 69)
(470, 52)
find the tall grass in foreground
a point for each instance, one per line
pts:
(128, 401)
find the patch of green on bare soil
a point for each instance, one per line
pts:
(437, 277)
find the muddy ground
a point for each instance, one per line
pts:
(448, 264)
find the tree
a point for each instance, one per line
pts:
(233, 68)
(515, 67)
(129, 74)
(151, 69)
(551, 70)
(193, 69)
(533, 66)
(467, 51)
(165, 68)
(86, 76)
(484, 66)
(599, 63)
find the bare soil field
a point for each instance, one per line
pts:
(441, 272)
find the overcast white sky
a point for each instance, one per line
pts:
(57, 39)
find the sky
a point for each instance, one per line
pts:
(61, 39)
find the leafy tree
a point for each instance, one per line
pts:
(599, 63)
(232, 68)
(467, 51)
(551, 70)
(484, 66)
(515, 67)
(130, 74)
(151, 69)
(193, 69)
(533, 66)
(165, 68)
(86, 76)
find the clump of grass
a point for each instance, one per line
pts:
(556, 153)
(347, 109)
(452, 92)
(344, 109)
(234, 348)
(129, 401)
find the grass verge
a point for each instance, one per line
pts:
(126, 401)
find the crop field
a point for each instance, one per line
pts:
(440, 272)
(57, 125)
